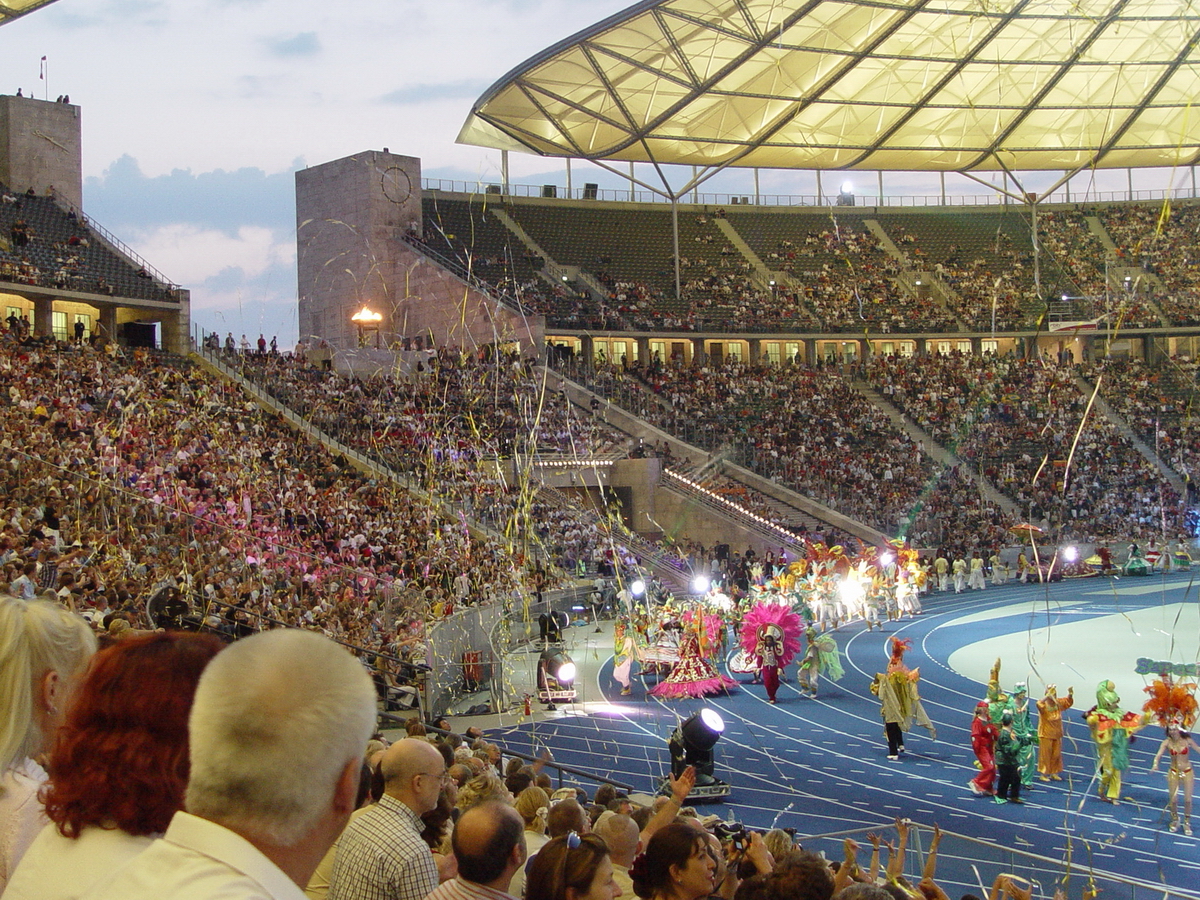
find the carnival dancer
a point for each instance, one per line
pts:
(941, 566)
(821, 656)
(975, 580)
(770, 637)
(983, 743)
(1050, 732)
(900, 703)
(1174, 706)
(624, 653)
(1178, 743)
(1009, 745)
(693, 675)
(999, 570)
(1022, 724)
(960, 574)
(1022, 567)
(1111, 728)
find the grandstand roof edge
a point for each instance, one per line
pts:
(14, 9)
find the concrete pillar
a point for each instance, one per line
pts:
(108, 323)
(643, 350)
(922, 348)
(1087, 347)
(43, 318)
(808, 347)
(174, 327)
(976, 346)
(587, 349)
(755, 350)
(698, 354)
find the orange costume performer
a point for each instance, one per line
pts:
(1050, 732)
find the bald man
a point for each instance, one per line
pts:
(381, 856)
(489, 845)
(620, 834)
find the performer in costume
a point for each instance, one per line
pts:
(624, 653)
(1111, 729)
(821, 657)
(1174, 706)
(1050, 731)
(693, 675)
(900, 704)
(1008, 759)
(1178, 742)
(983, 742)
(1136, 564)
(781, 625)
(1023, 726)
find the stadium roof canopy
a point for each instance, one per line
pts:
(893, 85)
(11, 9)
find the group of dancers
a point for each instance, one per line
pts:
(1009, 751)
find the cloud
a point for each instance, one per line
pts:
(125, 198)
(428, 93)
(191, 254)
(305, 43)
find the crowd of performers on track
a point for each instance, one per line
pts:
(797, 607)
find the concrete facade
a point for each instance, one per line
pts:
(351, 218)
(41, 147)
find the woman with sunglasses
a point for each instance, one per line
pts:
(572, 867)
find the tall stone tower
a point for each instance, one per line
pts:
(351, 215)
(41, 147)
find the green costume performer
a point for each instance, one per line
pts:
(1023, 726)
(1111, 729)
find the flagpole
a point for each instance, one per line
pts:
(43, 74)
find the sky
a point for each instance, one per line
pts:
(196, 114)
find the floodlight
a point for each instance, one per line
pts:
(847, 187)
(700, 584)
(551, 625)
(637, 588)
(691, 744)
(1070, 554)
(887, 559)
(555, 677)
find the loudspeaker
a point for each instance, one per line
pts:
(590, 190)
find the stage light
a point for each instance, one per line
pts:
(691, 744)
(555, 677)
(851, 591)
(637, 588)
(1070, 554)
(847, 187)
(700, 584)
(551, 625)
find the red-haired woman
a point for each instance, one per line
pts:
(119, 765)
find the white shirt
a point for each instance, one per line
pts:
(197, 859)
(61, 868)
(21, 814)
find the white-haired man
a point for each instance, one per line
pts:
(276, 733)
(382, 856)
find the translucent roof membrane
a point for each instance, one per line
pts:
(863, 84)
(10, 9)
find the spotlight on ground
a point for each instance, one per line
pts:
(555, 677)
(700, 584)
(691, 744)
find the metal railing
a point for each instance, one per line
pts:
(740, 198)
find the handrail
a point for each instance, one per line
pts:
(114, 241)
(749, 198)
(545, 762)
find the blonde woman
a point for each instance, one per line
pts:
(43, 652)
(533, 804)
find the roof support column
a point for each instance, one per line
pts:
(820, 192)
(757, 202)
(504, 172)
(675, 243)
